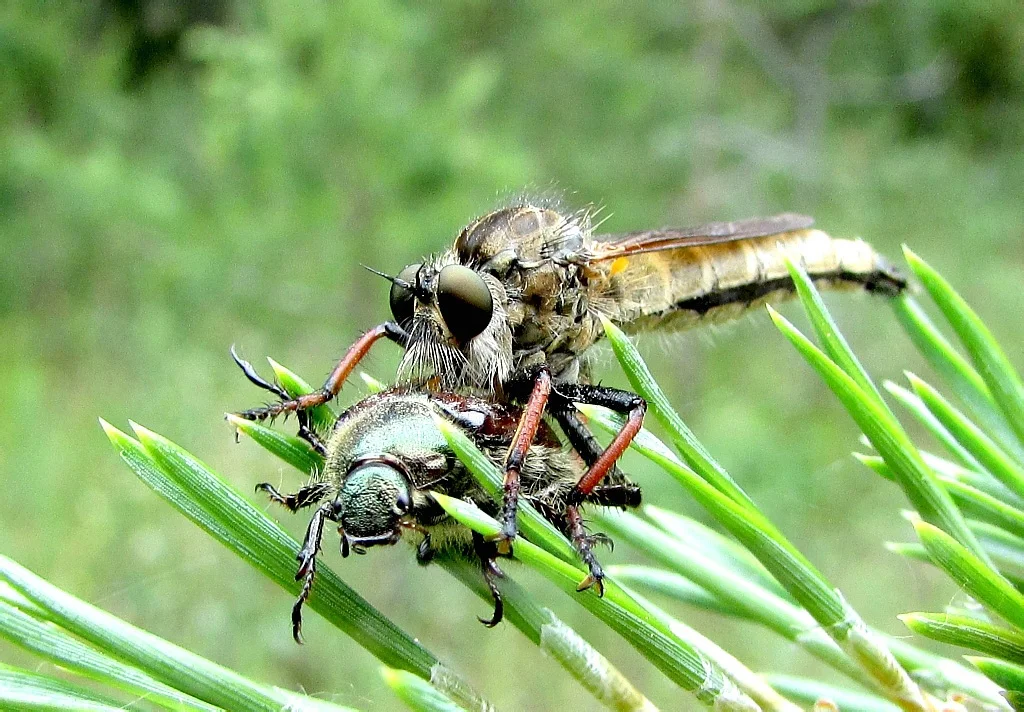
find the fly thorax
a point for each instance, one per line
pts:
(523, 230)
(554, 313)
(526, 249)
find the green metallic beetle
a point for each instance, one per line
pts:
(384, 456)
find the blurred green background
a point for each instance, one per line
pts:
(178, 177)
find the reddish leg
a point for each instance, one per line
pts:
(521, 441)
(332, 386)
(603, 465)
(584, 544)
(601, 462)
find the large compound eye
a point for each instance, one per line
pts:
(402, 299)
(464, 300)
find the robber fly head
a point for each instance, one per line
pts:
(455, 318)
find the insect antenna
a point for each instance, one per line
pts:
(415, 287)
(388, 277)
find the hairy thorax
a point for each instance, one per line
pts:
(548, 310)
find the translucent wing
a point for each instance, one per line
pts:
(607, 247)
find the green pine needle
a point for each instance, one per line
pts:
(988, 356)
(978, 635)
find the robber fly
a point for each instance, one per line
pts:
(513, 307)
(385, 455)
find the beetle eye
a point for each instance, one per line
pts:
(464, 300)
(402, 503)
(402, 299)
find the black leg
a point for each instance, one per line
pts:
(581, 438)
(307, 434)
(425, 552)
(307, 563)
(487, 552)
(624, 496)
(305, 497)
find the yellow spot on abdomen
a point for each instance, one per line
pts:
(619, 265)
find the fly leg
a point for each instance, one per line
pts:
(619, 492)
(624, 496)
(305, 431)
(579, 435)
(584, 544)
(600, 462)
(521, 441)
(307, 563)
(305, 497)
(487, 552)
(332, 385)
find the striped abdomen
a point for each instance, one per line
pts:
(685, 287)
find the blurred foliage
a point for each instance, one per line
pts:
(175, 177)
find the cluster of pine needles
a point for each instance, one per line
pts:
(967, 509)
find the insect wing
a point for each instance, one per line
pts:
(607, 247)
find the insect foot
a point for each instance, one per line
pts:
(584, 544)
(503, 540)
(486, 551)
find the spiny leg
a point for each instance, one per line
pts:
(307, 563)
(620, 401)
(305, 431)
(487, 552)
(584, 544)
(334, 382)
(526, 431)
(624, 402)
(623, 496)
(305, 497)
(569, 521)
(580, 436)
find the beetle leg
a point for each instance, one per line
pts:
(334, 382)
(307, 563)
(305, 497)
(487, 552)
(521, 441)
(425, 552)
